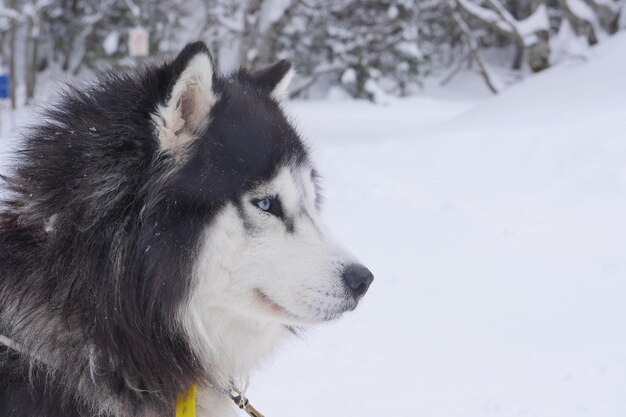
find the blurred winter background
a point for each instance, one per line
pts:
(474, 155)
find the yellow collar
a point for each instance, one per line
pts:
(186, 403)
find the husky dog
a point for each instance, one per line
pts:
(161, 230)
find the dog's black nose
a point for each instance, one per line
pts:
(358, 278)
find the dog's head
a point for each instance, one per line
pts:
(264, 250)
(153, 198)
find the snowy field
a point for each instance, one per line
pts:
(496, 228)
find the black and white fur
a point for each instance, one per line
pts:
(161, 230)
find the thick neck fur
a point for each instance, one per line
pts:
(236, 345)
(227, 344)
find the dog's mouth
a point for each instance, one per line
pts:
(269, 304)
(288, 317)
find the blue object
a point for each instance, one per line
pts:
(4, 86)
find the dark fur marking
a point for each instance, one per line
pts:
(308, 216)
(319, 198)
(269, 78)
(289, 225)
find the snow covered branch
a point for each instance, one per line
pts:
(473, 45)
(362, 48)
(582, 18)
(528, 34)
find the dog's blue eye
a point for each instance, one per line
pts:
(270, 205)
(264, 204)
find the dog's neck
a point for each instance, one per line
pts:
(234, 345)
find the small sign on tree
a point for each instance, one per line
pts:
(138, 42)
(4, 86)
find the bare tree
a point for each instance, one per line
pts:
(34, 16)
(531, 34)
(473, 45)
(12, 53)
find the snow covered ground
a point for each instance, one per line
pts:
(496, 228)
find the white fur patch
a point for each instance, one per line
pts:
(279, 93)
(186, 112)
(254, 276)
(49, 224)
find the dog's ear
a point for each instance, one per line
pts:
(275, 79)
(191, 97)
